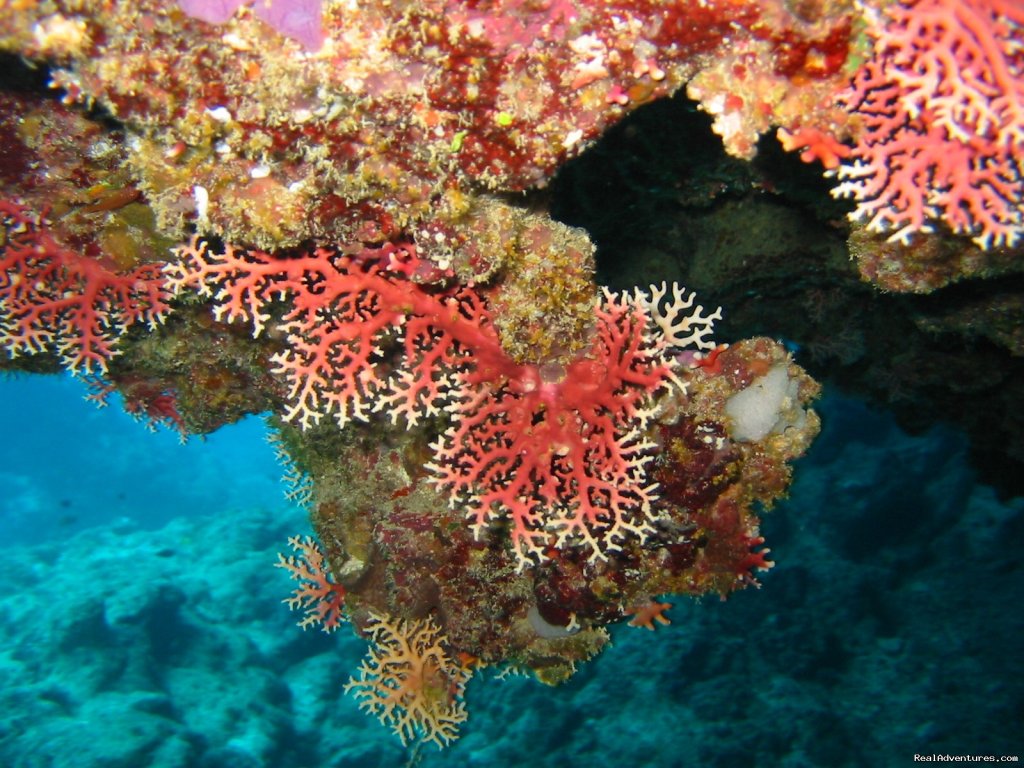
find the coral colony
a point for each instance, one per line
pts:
(305, 208)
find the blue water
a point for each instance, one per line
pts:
(141, 623)
(67, 465)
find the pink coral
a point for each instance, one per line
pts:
(560, 451)
(942, 107)
(646, 614)
(148, 402)
(52, 299)
(344, 307)
(814, 144)
(317, 595)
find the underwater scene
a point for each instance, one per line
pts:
(142, 622)
(511, 382)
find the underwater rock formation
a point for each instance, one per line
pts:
(330, 212)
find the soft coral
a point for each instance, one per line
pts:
(411, 680)
(558, 449)
(53, 299)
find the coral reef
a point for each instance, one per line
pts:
(236, 129)
(339, 214)
(399, 549)
(336, 213)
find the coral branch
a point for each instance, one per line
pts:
(942, 106)
(561, 451)
(54, 300)
(558, 450)
(317, 594)
(411, 681)
(343, 310)
(646, 614)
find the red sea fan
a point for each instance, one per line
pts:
(557, 449)
(942, 109)
(55, 300)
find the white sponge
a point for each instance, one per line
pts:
(754, 412)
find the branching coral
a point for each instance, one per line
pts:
(942, 108)
(318, 595)
(55, 300)
(560, 451)
(410, 680)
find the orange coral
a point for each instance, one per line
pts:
(814, 145)
(645, 615)
(411, 682)
(317, 594)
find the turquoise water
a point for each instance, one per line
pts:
(69, 465)
(141, 622)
